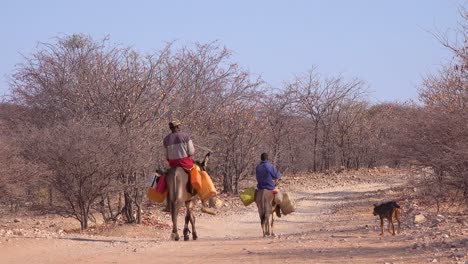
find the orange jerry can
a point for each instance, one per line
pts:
(153, 195)
(208, 189)
(195, 178)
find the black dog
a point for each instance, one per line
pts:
(388, 210)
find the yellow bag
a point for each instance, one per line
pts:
(248, 196)
(208, 189)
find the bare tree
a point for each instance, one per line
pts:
(80, 156)
(348, 117)
(279, 129)
(318, 100)
(436, 132)
(77, 78)
(239, 143)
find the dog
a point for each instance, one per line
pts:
(389, 210)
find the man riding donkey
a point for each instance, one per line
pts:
(267, 175)
(179, 152)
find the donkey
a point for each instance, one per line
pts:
(266, 209)
(178, 183)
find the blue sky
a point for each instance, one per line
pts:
(388, 44)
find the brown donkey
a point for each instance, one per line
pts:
(179, 192)
(266, 209)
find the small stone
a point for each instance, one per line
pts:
(18, 232)
(215, 202)
(417, 245)
(419, 219)
(17, 220)
(447, 241)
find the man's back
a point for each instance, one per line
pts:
(265, 173)
(179, 149)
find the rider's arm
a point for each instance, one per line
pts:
(190, 148)
(274, 172)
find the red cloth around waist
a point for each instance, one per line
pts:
(186, 163)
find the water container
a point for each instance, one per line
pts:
(287, 205)
(208, 189)
(248, 196)
(278, 198)
(153, 195)
(195, 178)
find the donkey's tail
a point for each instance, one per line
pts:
(264, 213)
(172, 188)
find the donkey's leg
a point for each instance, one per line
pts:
(272, 221)
(262, 223)
(192, 221)
(168, 205)
(187, 219)
(267, 221)
(174, 213)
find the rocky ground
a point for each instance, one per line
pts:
(333, 223)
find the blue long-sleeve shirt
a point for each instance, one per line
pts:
(265, 173)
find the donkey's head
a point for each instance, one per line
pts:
(204, 162)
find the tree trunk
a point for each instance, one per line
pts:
(102, 209)
(128, 208)
(227, 183)
(109, 206)
(119, 206)
(84, 219)
(50, 196)
(315, 151)
(138, 206)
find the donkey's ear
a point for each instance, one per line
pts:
(159, 172)
(205, 160)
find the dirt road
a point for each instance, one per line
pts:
(330, 225)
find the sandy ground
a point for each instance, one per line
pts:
(333, 223)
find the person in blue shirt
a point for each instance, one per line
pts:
(266, 174)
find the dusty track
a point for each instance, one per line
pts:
(331, 225)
